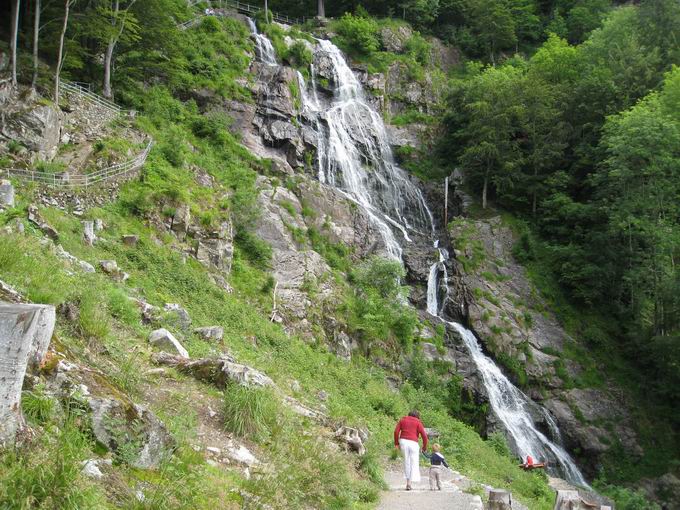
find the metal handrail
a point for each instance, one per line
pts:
(90, 96)
(67, 181)
(244, 8)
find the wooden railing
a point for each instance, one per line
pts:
(80, 180)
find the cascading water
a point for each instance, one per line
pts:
(508, 403)
(511, 406)
(263, 46)
(354, 156)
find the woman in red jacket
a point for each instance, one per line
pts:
(406, 439)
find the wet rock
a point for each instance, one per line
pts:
(6, 194)
(163, 339)
(178, 316)
(217, 371)
(35, 218)
(132, 429)
(130, 240)
(210, 333)
(273, 92)
(25, 334)
(89, 236)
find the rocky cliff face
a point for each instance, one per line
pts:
(508, 314)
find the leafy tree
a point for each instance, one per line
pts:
(492, 26)
(585, 17)
(491, 108)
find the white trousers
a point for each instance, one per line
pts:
(411, 452)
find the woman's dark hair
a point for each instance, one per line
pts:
(415, 414)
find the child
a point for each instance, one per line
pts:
(437, 460)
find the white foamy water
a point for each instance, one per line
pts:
(263, 46)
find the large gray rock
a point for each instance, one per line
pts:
(217, 371)
(34, 125)
(25, 334)
(6, 193)
(216, 251)
(163, 339)
(210, 333)
(89, 236)
(394, 39)
(181, 219)
(353, 439)
(131, 431)
(177, 316)
(273, 91)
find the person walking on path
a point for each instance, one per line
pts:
(406, 439)
(437, 460)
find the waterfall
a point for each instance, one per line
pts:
(433, 283)
(510, 405)
(263, 46)
(356, 158)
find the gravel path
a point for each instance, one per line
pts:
(421, 497)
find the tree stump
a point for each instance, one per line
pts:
(500, 500)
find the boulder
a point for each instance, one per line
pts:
(25, 334)
(239, 454)
(89, 236)
(131, 431)
(163, 339)
(130, 240)
(178, 316)
(63, 254)
(6, 194)
(216, 251)
(92, 467)
(394, 39)
(352, 438)
(181, 219)
(217, 371)
(210, 333)
(9, 294)
(35, 218)
(499, 500)
(34, 125)
(111, 268)
(150, 313)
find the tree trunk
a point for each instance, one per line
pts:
(36, 37)
(107, 92)
(60, 55)
(321, 11)
(14, 35)
(484, 190)
(533, 205)
(266, 12)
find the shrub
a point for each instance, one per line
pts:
(358, 34)
(249, 412)
(298, 55)
(257, 251)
